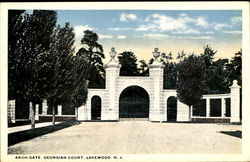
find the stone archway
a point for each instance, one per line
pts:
(96, 104)
(172, 109)
(134, 103)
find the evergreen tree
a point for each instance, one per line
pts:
(26, 56)
(60, 67)
(235, 68)
(190, 82)
(128, 63)
(93, 52)
(16, 29)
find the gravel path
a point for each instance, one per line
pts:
(134, 137)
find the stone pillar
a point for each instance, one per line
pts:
(182, 111)
(11, 111)
(37, 112)
(207, 107)
(59, 109)
(82, 115)
(111, 111)
(44, 107)
(223, 107)
(156, 112)
(235, 102)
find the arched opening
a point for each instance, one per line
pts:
(96, 104)
(171, 109)
(134, 103)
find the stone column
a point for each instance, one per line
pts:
(59, 109)
(111, 111)
(44, 107)
(223, 107)
(207, 107)
(235, 102)
(11, 111)
(156, 112)
(37, 112)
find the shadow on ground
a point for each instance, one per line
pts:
(233, 133)
(21, 123)
(21, 136)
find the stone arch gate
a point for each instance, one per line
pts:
(152, 84)
(115, 84)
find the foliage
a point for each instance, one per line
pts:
(59, 63)
(190, 82)
(16, 60)
(143, 68)
(80, 74)
(33, 37)
(128, 64)
(235, 68)
(216, 74)
(170, 75)
(93, 52)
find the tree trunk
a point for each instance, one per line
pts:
(33, 115)
(53, 115)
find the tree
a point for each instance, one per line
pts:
(235, 67)
(80, 75)
(59, 61)
(190, 82)
(128, 63)
(93, 52)
(170, 71)
(34, 32)
(210, 71)
(16, 28)
(170, 75)
(143, 69)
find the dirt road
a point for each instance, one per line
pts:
(135, 137)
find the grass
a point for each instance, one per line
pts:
(16, 137)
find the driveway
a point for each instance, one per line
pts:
(135, 137)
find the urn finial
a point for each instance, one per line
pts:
(156, 54)
(112, 53)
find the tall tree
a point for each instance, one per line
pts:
(93, 51)
(190, 82)
(235, 67)
(211, 71)
(16, 37)
(33, 43)
(128, 63)
(80, 73)
(59, 58)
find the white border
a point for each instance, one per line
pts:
(244, 6)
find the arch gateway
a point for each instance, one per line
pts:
(152, 87)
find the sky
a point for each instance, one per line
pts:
(140, 31)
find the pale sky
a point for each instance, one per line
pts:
(140, 31)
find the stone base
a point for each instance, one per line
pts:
(210, 120)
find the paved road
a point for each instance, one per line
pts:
(134, 137)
